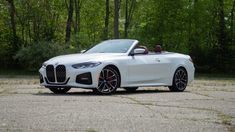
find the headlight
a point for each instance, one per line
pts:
(44, 65)
(86, 65)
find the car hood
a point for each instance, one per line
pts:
(79, 58)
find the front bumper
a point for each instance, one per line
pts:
(71, 77)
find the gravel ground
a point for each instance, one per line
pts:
(206, 105)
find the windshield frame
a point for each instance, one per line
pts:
(127, 52)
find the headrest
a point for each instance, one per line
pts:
(158, 49)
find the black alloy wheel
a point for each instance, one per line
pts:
(109, 81)
(180, 80)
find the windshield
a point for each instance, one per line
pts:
(112, 46)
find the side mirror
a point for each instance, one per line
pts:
(138, 51)
(82, 51)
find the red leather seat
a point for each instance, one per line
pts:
(158, 49)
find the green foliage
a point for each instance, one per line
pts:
(32, 57)
(194, 27)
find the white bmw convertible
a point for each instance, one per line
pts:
(120, 63)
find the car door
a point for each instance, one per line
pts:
(148, 70)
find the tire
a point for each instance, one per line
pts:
(180, 80)
(109, 81)
(59, 90)
(94, 90)
(130, 89)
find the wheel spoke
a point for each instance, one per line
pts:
(177, 80)
(114, 80)
(109, 84)
(105, 88)
(177, 75)
(107, 74)
(111, 76)
(184, 75)
(102, 83)
(183, 83)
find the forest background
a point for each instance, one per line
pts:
(32, 31)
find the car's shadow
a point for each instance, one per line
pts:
(119, 92)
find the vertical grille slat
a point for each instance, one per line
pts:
(50, 73)
(60, 73)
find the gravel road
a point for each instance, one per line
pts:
(206, 105)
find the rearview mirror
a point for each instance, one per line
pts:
(82, 51)
(139, 51)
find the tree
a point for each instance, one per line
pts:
(128, 15)
(193, 42)
(232, 23)
(116, 18)
(77, 19)
(204, 29)
(106, 23)
(12, 12)
(69, 22)
(221, 34)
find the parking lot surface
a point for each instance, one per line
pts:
(207, 105)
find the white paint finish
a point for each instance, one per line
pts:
(138, 70)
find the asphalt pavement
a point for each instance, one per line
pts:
(207, 105)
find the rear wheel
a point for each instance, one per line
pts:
(130, 89)
(180, 80)
(109, 80)
(59, 90)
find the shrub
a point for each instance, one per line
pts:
(32, 57)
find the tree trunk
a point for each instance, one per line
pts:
(77, 16)
(11, 8)
(222, 38)
(69, 23)
(126, 20)
(221, 34)
(128, 15)
(231, 24)
(77, 19)
(116, 18)
(193, 30)
(106, 24)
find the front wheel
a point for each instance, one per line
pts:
(180, 80)
(109, 80)
(59, 90)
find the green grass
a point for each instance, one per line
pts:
(216, 76)
(233, 129)
(226, 120)
(91, 130)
